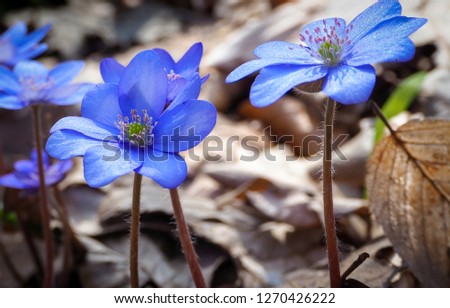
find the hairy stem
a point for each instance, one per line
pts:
(327, 174)
(186, 241)
(44, 210)
(134, 231)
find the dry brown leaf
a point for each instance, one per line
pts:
(82, 205)
(291, 207)
(107, 264)
(410, 196)
(230, 141)
(15, 248)
(289, 121)
(381, 269)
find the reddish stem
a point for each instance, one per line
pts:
(327, 185)
(44, 210)
(186, 241)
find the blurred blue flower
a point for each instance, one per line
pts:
(180, 74)
(16, 45)
(339, 54)
(26, 174)
(30, 82)
(126, 126)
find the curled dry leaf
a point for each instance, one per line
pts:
(408, 185)
(107, 264)
(375, 272)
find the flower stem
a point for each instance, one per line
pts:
(134, 231)
(2, 163)
(45, 217)
(327, 173)
(186, 241)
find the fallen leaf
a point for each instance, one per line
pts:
(376, 272)
(289, 122)
(408, 185)
(107, 264)
(292, 208)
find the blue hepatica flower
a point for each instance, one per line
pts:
(30, 82)
(125, 127)
(180, 74)
(16, 45)
(340, 54)
(26, 174)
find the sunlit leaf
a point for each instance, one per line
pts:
(408, 185)
(400, 100)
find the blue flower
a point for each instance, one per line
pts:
(26, 174)
(125, 127)
(16, 45)
(342, 55)
(180, 74)
(30, 82)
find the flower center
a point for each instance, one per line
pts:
(138, 130)
(172, 76)
(327, 40)
(330, 52)
(34, 87)
(36, 83)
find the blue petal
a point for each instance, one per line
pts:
(102, 104)
(166, 59)
(273, 82)
(143, 85)
(190, 62)
(205, 78)
(285, 50)
(250, 67)
(11, 180)
(34, 157)
(30, 68)
(25, 166)
(387, 42)
(184, 126)
(66, 72)
(29, 53)
(64, 144)
(16, 32)
(316, 33)
(176, 87)
(11, 102)
(34, 37)
(56, 172)
(9, 82)
(68, 94)
(167, 169)
(8, 53)
(103, 165)
(86, 127)
(350, 85)
(190, 91)
(371, 17)
(111, 70)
